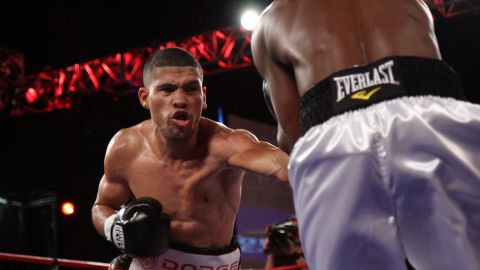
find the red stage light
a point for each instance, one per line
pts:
(31, 95)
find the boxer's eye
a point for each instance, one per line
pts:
(167, 88)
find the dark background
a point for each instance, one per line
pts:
(63, 151)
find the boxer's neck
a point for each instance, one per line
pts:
(175, 149)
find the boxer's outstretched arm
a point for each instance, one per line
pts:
(246, 152)
(113, 190)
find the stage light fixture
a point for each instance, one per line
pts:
(31, 95)
(68, 208)
(249, 19)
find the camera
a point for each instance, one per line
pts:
(278, 236)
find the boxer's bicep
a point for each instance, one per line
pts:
(113, 189)
(111, 195)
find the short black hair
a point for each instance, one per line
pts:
(169, 57)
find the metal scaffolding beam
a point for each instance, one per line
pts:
(218, 51)
(449, 8)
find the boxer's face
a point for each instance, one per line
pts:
(176, 99)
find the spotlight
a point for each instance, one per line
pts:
(31, 95)
(249, 19)
(68, 208)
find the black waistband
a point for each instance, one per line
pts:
(381, 80)
(205, 251)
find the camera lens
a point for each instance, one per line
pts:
(278, 240)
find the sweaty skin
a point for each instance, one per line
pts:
(192, 165)
(298, 43)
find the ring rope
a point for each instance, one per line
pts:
(87, 264)
(52, 261)
(291, 267)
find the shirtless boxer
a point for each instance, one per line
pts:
(176, 178)
(385, 155)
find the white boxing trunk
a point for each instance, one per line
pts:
(397, 179)
(191, 259)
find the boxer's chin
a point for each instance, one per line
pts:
(174, 133)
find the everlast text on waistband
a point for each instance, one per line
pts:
(357, 82)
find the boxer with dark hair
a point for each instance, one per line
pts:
(172, 184)
(385, 155)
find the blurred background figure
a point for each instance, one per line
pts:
(282, 245)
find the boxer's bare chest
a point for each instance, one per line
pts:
(181, 185)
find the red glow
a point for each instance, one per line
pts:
(73, 81)
(94, 79)
(219, 49)
(247, 38)
(127, 57)
(219, 34)
(201, 50)
(31, 95)
(138, 64)
(76, 67)
(44, 76)
(110, 72)
(247, 59)
(61, 81)
(68, 208)
(194, 52)
(228, 49)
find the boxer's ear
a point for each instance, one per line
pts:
(143, 97)
(204, 90)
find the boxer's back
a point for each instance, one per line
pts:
(318, 37)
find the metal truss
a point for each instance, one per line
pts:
(217, 51)
(449, 8)
(11, 75)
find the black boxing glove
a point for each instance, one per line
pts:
(140, 229)
(121, 262)
(268, 99)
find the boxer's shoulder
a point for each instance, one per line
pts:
(127, 139)
(224, 134)
(212, 131)
(222, 140)
(127, 142)
(277, 9)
